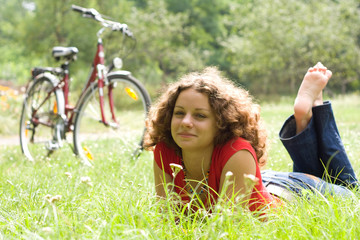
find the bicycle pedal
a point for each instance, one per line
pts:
(113, 125)
(52, 145)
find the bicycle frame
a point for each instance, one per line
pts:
(98, 71)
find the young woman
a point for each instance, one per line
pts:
(212, 130)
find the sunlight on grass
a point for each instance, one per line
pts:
(59, 198)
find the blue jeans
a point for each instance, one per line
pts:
(319, 159)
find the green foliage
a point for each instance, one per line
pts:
(266, 46)
(160, 50)
(272, 44)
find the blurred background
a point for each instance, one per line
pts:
(265, 46)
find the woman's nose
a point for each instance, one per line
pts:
(187, 121)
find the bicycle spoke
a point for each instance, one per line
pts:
(38, 120)
(92, 111)
(124, 133)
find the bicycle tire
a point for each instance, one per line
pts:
(39, 140)
(98, 141)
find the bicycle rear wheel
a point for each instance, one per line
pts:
(124, 132)
(40, 125)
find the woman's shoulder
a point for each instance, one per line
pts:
(161, 145)
(236, 144)
(225, 151)
(164, 147)
(164, 152)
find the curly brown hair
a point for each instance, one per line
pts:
(235, 111)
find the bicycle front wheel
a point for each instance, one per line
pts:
(40, 125)
(126, 104)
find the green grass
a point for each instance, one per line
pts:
(119, 201)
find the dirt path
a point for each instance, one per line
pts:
(9, 140)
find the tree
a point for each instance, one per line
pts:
(11, 16)
(266, 46)
(271, 44)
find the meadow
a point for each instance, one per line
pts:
(59, 198)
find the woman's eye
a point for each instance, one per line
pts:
(199, 115)
(178, 113)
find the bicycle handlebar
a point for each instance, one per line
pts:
(94, 14)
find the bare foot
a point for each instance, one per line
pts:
(310, 94)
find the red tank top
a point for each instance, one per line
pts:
(260, 197)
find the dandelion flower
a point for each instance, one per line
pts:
(52, 199)
(55, 198)
(47, 197)
(175, 168)
(229, 174)
(86, 180)
(250, 180)
(251, 177)
(47, 229)
(227, 182)
(68, 174)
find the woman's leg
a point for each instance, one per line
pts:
(302, 147)
(298, 133)
(330, 147)
(284, 184)
(318, 149)
(312, 140)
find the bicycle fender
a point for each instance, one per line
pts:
(122, 73)
(54, 80)
(49, 76)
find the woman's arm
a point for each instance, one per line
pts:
(242, 162)
(160, 182)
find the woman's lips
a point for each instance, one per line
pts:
(186, 135)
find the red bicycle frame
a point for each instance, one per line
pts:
(98, 71)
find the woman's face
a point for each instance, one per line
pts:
(193, 124)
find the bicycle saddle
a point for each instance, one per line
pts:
(68, 53)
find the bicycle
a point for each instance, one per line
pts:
(110, 111)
